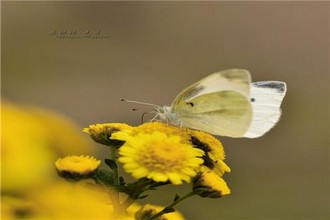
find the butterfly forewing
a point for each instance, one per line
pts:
(233, 80)
(218, 104)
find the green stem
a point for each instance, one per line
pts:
(115, 170)
(115, 197)
(128, 202)
(171, 206)
(141, 187)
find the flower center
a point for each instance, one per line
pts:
(162, 156)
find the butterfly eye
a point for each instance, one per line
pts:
(253, 99)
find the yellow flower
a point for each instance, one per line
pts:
(30, 135)
(149, 210)
(63, 200)
(158, 156)
(101, 133)
(151, 127)
(210, 184)
(214, 153)
(77, 167)
(213, 150)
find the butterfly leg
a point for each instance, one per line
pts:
(154, 118)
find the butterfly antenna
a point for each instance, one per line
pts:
(141, 103)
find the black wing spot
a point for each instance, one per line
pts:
(253, 99)
(190, 103)
(279, 86)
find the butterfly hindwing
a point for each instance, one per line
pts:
(266, 99)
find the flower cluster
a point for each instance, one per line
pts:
(155, 154)
(163, 152)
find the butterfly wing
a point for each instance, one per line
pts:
(218, 104)
(266, 99)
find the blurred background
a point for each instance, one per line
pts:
(79, 58)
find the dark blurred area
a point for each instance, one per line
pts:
(79, 58)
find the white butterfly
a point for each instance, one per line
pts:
(226, 103)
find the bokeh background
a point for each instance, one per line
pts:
(150, 51)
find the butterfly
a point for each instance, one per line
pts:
(226, 103)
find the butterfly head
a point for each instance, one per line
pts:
(165, 113)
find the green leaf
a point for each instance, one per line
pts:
(111, 163)
(169, 209)
(157, 184)
(144, 196)
(105, 177)
(176, 197)
(122, 181)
